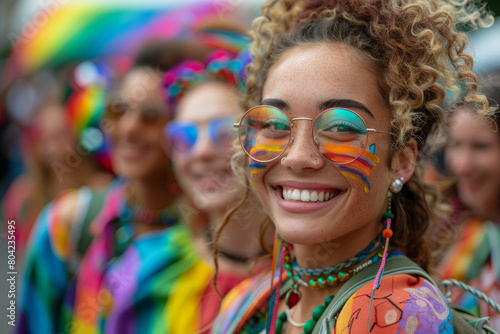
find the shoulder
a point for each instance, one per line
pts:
(401, 303)
(466, 257)
(242, 303)
(67, 216)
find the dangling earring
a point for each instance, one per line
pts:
(396, 187)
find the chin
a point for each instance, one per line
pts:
(210, 201)
(301, 231)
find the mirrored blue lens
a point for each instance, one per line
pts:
(182, 135)
(221, 131)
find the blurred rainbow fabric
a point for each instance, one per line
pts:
(76, 31)
(99, 41)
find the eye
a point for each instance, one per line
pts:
(275, 128)
(341, 130)
(116, 110)
(481, 146)
(277, 124)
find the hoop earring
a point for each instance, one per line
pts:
(397, 185)
(283, 160)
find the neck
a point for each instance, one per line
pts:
(493, 214)
(325, 255)
(331, 253)
(241, 236)
(74, 178)
(152, 193)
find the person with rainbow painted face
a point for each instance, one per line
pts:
(341, 97)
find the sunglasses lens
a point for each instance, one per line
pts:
(182, 135)
(221, 131)
(340, 135)
(264, 133)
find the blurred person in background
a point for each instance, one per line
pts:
(206, 100)
(473, 157)
(121, 229)
(141, 272)
(53, 156)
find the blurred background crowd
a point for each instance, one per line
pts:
(62, 63)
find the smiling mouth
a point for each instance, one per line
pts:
(305, 195)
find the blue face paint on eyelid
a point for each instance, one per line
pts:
(335, 116)
(349, 116)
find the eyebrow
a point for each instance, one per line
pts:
(278, 103)
(344, 103)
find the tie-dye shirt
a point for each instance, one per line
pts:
(148, 284)
(475, 259)
(402, 304)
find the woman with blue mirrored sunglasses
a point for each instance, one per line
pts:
(183, 135)
(200, 143)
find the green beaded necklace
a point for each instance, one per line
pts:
(334, 278)
(309, 324)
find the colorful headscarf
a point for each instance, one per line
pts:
(220, 66)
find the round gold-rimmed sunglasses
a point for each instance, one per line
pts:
(340, 134)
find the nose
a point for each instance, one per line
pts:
(129, 124)
(461, 161)
(302, 153)
(203, 147)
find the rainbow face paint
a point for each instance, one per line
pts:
(255, 168)
(358, 169)
(262, 147)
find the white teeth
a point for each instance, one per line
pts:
(314, 196)
(307, 195)
(304, 196)
(321, 196)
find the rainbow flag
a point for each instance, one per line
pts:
(75, 32)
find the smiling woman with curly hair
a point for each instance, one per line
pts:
(341, 97)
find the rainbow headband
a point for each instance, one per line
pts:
(220, 66)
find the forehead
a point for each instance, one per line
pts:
(466, 125)
(141, 83)
(207, 101)
(307, 75)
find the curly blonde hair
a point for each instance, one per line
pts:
(416, 54)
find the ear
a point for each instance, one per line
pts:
(404, 160)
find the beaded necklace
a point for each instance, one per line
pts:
(334, 276)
